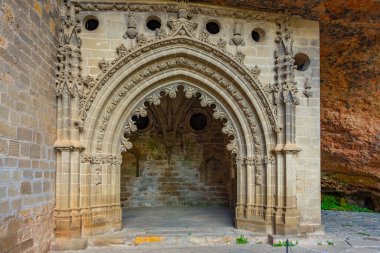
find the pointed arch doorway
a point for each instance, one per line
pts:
(178, 166)
(141, 78)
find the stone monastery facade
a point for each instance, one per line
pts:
(166, 103)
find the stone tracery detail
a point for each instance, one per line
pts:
(190, 92)
(125, 144)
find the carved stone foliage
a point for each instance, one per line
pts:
(98, 176)
(68, 70)
(190, 92)
(255, 71)
(125, 144)
(101, 159)
(285, 87)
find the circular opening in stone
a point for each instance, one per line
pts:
(141, 122)
(198, 121)
(91, 23)
(301, 61)
(258, 35)
(213, 27)
(153, 23)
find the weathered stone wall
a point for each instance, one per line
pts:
(28, 41)
(196, 171)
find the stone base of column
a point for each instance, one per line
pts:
(71, 226)
(311, 228)
(99, 220)
(256, 225)
(287, 223)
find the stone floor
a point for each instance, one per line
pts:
(210, 229)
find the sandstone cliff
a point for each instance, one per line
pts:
(350, 91)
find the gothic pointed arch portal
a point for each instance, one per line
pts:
(95, 116)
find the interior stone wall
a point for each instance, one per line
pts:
(190, 168)
(28, 42)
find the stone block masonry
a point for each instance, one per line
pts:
(28, 41)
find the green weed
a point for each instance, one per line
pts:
(363, 233)
(241, 240)
(285, 243)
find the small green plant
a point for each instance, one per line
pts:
(285, 243)
(319, 243)
(363, 233)
(330, 202)
(330, 243)
(241, 240)
(347, 225)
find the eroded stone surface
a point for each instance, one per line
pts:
(27, 124)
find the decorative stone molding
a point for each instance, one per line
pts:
(98, 176)
(104, 65)
(239, 56)
(171, 91)
(121, 50)
(68, 70)
(173, 8)
(255, 71)
(160, 66)
(101, 159)
(160, 34)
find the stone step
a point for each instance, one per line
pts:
(176, 237)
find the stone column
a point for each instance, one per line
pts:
(242, 188)
(67, 214)
(287, 217)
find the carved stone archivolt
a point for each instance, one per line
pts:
(171, 92)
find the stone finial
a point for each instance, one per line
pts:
(237, 39)
(132, 25)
